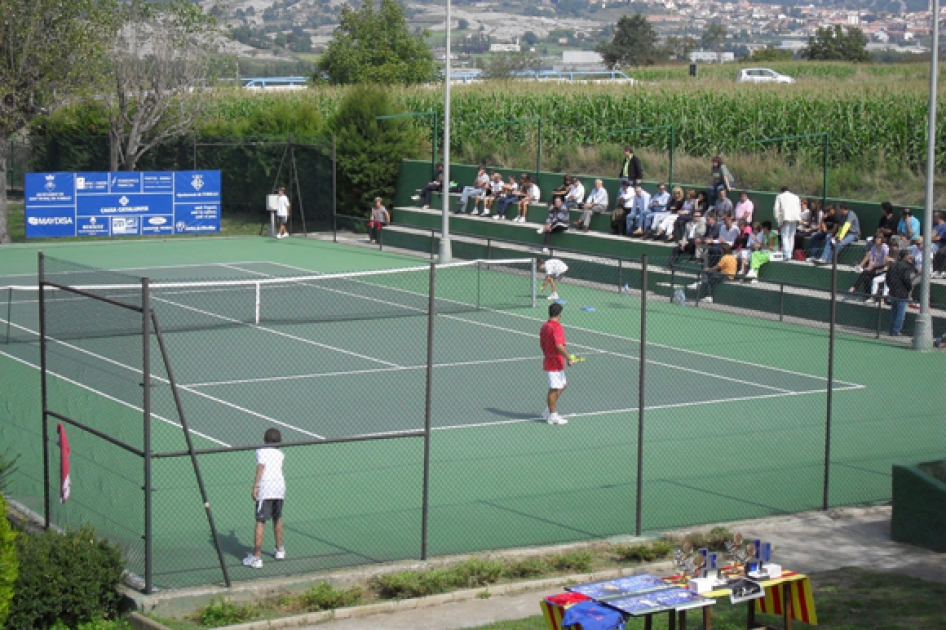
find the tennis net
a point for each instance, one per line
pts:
(77, 311)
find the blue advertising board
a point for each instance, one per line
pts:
(122, 204)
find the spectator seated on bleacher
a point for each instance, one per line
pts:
(939, 244)
(726, 234)
(878, 286)
(849, 231)
(723, 205)
(888, 221)
(531, 195)
(557, 221)
(640, 204)
(493, 193)
(768, 243)
(562, 190)
(597, 203)
(622, 206)
(512, 194)
(908, 228)
(576, 194)
(826, 229)
(744, 208)
(873, 264)
(808, 225)
(431, 187)
(656, 211)
(753, 240)
(693, 234)
(664, 229)
(478, 188)
(723, 270)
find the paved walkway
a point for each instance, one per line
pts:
(806, 543)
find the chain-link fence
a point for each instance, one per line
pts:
(410, 406)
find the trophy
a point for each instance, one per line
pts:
(689, 563)
(742, 556)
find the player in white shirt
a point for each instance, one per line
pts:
(554, 270)
(269, 491)
(282, 212)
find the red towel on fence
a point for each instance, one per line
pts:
(64, 450)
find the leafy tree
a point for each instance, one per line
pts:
(771, 54)
(680, 47)
(375, 46)
(530, 38)
(714, 38)
(49, 50)
(505, 65)
(837, 45)
(462, 24)
(370, 150)
(634, 43)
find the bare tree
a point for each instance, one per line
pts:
(49, 49)
(165, 57)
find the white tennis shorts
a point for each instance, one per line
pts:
(556, 380)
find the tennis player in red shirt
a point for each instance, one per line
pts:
(552, 340)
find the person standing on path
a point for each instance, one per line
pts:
(282, 212)
(552, 340)
(269, 491)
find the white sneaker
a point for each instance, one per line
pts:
(695, 285)
(810, 259)
(858, 268)
(253, 562)
(545, 250)
(485, 213)
(552, 296)
(554, 418)
(540, 230)
(522, 219)
(497, 217)
(545, 414)
(280, 553)
(425, 207)
(751, 273)
(415, 197)
(474, 212)
(708, 300)
(753, 281)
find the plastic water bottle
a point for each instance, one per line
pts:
(626, 290)
(679, 297)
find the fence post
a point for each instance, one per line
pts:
(425, 508)
(41, 275)
(146, 433)
(334, 192)
(833, 320)
(640, 398)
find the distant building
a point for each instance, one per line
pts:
(504, 48)
(712, 57)
(581, 57)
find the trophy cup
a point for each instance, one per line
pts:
(742, 556)
(691, 564)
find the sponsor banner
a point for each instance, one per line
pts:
(122, 204)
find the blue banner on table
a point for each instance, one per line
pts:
(122, 204)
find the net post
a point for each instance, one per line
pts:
(534, 279)
(831, 335)
(640, 399)
(257, 305)
(146, 441)
(41, 276)
(425, 507)
(190, 446)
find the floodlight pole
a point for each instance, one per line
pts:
(446, 254)
(923, 327)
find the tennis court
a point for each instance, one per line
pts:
(735, 410)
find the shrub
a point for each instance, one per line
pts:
(714, 540)
(572, 561)
(9, 566)
(475, 572)
(408, 584)
(325, 597)
(644, 553)
(528, 568)
(223, 612)
(69, 577)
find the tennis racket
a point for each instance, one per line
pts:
(576, 359)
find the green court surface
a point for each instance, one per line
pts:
(735, 410)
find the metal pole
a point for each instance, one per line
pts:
(672, 146)
(535, 279)
(146, 441)
(334, 190)
(433, 153)
(425, 509)
(190, 446)
(640, 398)
(831, 335)
(538, 155)
(824, 170)
(446, 255)
(41, 275)
(923, 326)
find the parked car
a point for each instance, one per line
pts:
(762, 75)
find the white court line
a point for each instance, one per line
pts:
(659, 345)
(233, 266)
(598, 350)
(242, 262)
(275, 332)
(113, 399)
(296, 377)
(589, 414)
(167, 382)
